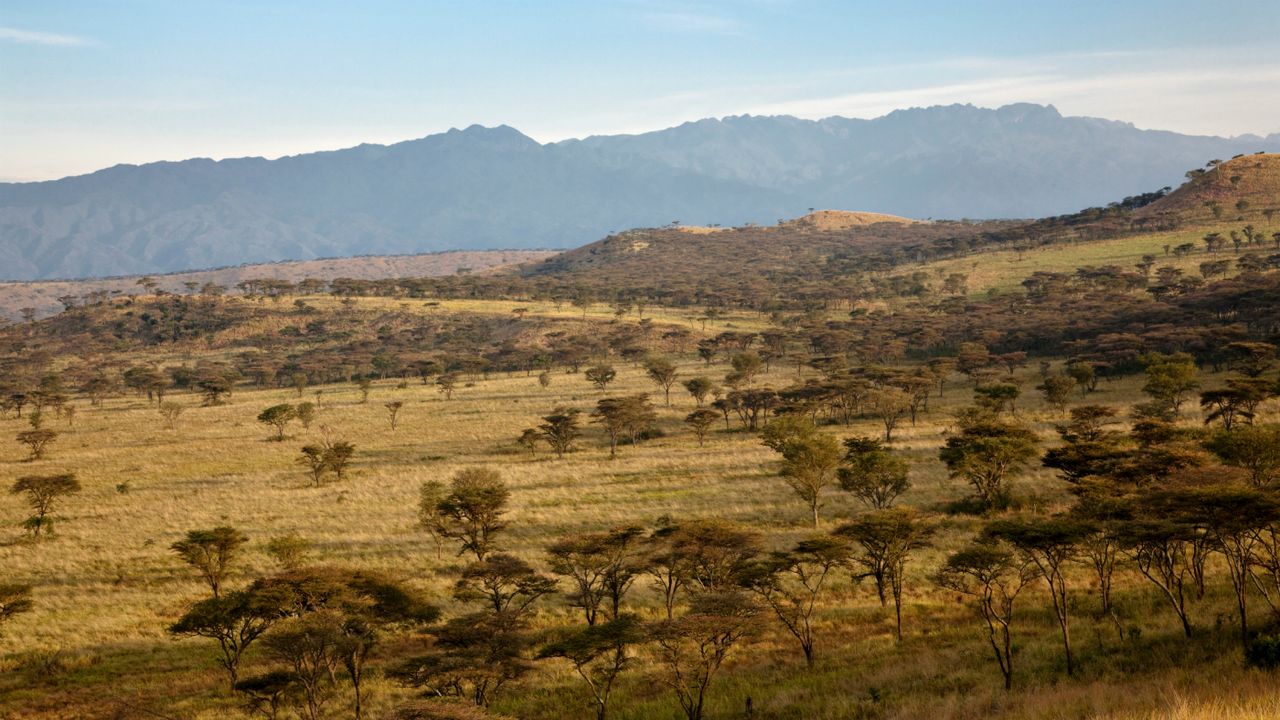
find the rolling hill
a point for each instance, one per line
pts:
(482, 188)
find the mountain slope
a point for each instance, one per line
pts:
(496, 188)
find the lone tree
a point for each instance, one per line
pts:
(364, 385)
(42, 492)
(886, 539)
(170, 411)
(663, 373)
(601, 376)
(210, 552)
(700, 421)
(985, 452)
(393, 411)
(472, 511)
(560, 429)
(872, 473)
(994, 576)
(37, 441)
(279, 417)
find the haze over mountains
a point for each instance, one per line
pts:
(497, 188)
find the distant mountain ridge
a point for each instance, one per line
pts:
(483, 188)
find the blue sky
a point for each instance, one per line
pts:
(87, 84)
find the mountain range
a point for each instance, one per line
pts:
(483, 188)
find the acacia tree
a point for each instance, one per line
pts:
(1161, 550)
(210, 552)
(474, 657)
(692, 647)
(790, 583)
(700, 421)
(337, 453)
(446, 384)
(42, 492)
(313, 459)
(1232, 519)
(871, 473)
(333, 618)
(1170, 379)
(601, 568)
(890, 404)
(598, 654)
(984, 452)
(1047, 545)
(279, 417)
(170, 411)
(505, 583)
(994, 576)
(234, 621)
(887, 538)
(1056, 390)
(600, 376)
(629, 416)
(560, 429)
(698, 556)
(699, 388)
(472, 511)
(309, 646)
(393, 411)
(809, 458)
(663, 373)
(37, 441)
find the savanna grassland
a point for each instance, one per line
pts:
(426, 381)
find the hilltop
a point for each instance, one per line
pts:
(845, 219)
(676, 266)
(484, 188)
(1218, 191)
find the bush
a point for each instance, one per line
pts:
(1263, 651)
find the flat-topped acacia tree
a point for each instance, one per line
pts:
(210, 553)
(42, 492)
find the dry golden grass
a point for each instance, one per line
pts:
(1005, 270)
(107, 586)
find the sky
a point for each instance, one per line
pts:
(86, 84)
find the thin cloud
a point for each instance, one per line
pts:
(694, 23)
(31, 37)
